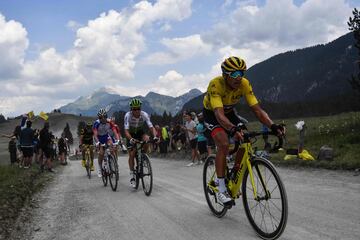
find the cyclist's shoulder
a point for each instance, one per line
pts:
(144, 114)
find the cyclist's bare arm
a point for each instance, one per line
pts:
(261, 115)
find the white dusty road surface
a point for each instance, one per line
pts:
(322, 205)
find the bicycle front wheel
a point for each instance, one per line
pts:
(146, 175)
(113, 173)
(268, 210)
(209, 176)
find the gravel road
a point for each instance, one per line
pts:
(322, 205)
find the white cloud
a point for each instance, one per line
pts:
(104, 52)
(13, 43)
(179, 49)
(179, 83)
(280, 25)
(73, 25)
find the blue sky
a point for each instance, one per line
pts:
(55, 51)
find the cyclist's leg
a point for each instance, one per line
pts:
(221, 140)
(83, 150)
(145, 138)
(91, 148)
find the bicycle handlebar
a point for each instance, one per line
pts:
(249, 135)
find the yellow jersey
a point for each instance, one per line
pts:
(219, 95)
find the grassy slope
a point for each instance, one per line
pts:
(341, 132)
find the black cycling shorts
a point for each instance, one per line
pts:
(211, 122)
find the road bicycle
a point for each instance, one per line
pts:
(87, 149)
(257, 181)
(110, 167)
(143, 168)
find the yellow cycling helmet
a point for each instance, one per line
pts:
(233, 64)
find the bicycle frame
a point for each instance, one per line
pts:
(235, 184)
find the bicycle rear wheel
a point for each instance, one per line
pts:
(268, 210)
(146, 174)
(209, 175)
(113, 173)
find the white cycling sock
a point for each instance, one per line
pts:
(222, 187)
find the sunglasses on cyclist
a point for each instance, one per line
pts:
(136, 109)
(236, 74)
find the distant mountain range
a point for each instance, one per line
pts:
(304, 75)
(317, 73)
(104, 98)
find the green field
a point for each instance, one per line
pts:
(340, 132)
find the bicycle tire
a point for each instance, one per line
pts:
(216, 208)
(113, 173)
(146, 174)
(272, 222)
(104, 176)
(137, 173)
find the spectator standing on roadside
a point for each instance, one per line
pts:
(202, 140)
(190, 127)
(12, 150)
(62, 149)
(26, 143)
(164, 140)
(46, 147)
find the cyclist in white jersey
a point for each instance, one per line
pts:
(134, 122)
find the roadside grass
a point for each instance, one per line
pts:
(340, 132)
(17, 186)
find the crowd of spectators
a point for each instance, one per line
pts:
(28, 146)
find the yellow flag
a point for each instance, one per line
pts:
(30, 115)
(43, 115)
(305, 155)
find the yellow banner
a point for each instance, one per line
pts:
(43, 115)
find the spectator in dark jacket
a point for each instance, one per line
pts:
(26, 143)
(46, 147)
(62, 149)
(12, 150)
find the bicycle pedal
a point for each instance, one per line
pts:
(229, 204)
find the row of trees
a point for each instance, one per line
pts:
(354, 26)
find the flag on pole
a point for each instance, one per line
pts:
(43, 115)
(30, 115)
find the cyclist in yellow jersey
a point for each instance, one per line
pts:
(220, 117)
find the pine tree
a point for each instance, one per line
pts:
(354, 25)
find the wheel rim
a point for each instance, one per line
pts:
(209, 171)
(113, 173)
(268, 213)
(146, 175)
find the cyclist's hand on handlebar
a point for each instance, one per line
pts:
(237, 133)
(278, 129)
(156, 139)
(133, 141)
(117, 141)
(97, 144)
